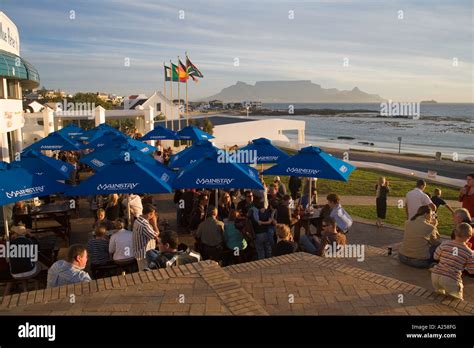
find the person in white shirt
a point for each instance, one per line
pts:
(343, 219)
(416, 198)
(136, 206)
(121, 243)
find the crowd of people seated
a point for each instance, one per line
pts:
(237, 226)
(244, 225)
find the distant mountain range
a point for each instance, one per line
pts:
(291, 91)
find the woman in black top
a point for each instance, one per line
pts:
(112, 211)
(225, 206)
(382, 189)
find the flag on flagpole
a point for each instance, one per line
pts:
(174, 73)
(192, 70)
(183, 74)
(168, 73)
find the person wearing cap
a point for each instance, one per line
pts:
(210, 235)
(24, 266)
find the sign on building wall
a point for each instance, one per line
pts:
(9, 38)
(11, 110)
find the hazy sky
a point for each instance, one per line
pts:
(407, 59)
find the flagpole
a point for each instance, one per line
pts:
(187, 107)
(171, 91)
(179, 98)
(164, 91)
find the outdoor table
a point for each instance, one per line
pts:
(59, 212)
(306, 221)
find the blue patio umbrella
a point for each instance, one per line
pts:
(18, 184)
(194, 134)
(110, 138)
(192, 154)
(313, 162)
(210, 173)
(96, 132)
(265, 151)
(37, 163)
(126, 176)
(160, 133)
(71, 131)
(3, 165)
(55, 141)
(98, 159)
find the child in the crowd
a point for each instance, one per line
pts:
(454, 257)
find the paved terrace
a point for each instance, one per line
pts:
(300, 284)
(297, 284)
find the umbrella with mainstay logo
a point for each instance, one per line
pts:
(193, 133)
(211, 173)
(98, 159)
(96, 132)
(262, 151)
(110, 138)
(160, 133)
(37, 163)
(313, 162)
(127, 175)
(71, 131)
(55, 142)
(192, 154)
(18, 184)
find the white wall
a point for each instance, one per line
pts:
(157, 97)
(242, 133)
(11, 115)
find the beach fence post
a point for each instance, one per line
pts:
(399, 144)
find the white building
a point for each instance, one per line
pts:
(162, 106)
(15, 74)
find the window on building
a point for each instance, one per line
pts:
(2, 92)
(158, 106)
(13, 89)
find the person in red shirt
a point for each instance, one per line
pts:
(466, 195)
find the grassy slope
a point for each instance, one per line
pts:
(362, 183)
(396, 216)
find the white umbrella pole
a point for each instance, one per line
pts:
(129, 213)
(217, 198)
(5, 221)
(310, 203)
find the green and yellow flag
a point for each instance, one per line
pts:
(174, 72)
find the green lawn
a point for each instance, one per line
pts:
(362, 183)
(397, 216)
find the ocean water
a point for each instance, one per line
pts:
(438, 110)
(448, 128)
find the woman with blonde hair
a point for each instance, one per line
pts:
(112, 211)
(225, 206)
(382, 189)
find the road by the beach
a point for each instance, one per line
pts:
(456, 170)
